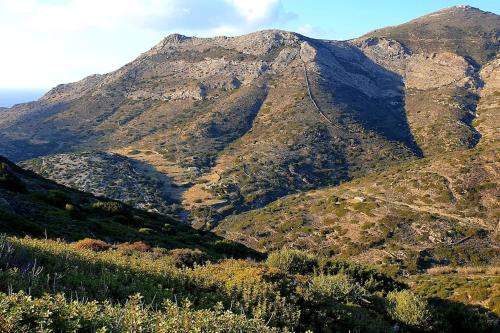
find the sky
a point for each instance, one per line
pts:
(47, 42)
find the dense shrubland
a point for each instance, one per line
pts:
(23, 313)
(93, 286)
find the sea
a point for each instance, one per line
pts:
(10, 97)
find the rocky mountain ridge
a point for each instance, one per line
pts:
(237, 122)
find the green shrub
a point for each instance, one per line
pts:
(74, 211)
(110, 207)
(147, 231)
(339, 288)
(56, 198)
(370, 278)
(23, 313)
(408, 308)
(292, 261)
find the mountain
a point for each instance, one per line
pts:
(235, 123)
(436, 210)
(237, 107)
(464, 30)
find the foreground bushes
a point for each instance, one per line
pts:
(22, 313)
(323, 296)
(339, 288)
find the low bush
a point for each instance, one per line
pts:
(370, 278)
(292, 261)
(56, 198)
(187, 257)
(407, 308)
(23, 313)
(133, 247)
(338, 288)
(328, 302)
(146, 231)
(110, 207)
(74, 211)
(91, 244)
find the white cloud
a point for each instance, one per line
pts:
(305, 29)
(256, 10)
(46, 42)
(151, 14)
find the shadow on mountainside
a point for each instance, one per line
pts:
(383, 113)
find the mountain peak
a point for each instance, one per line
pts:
(175, 38)
(463, 29)
(459, 11)
(461, 7)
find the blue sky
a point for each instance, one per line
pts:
(47, 42)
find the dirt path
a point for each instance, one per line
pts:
(306, 76)
(432, 210)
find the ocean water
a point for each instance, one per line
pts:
(10, 97)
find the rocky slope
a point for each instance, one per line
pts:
(438, 209)
(238, 107)
(237, 122)
(108, 175)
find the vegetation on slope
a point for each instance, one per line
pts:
(292, 290)
(416, 215)
(31, 205)
(108, 175)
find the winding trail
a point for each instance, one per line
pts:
(309, 88)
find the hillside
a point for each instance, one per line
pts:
(412, 210)
(237, 107)
(464, 30)
(31, 205)
(111, 176)
(184, 283)
(207, 128)
(434, 211)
